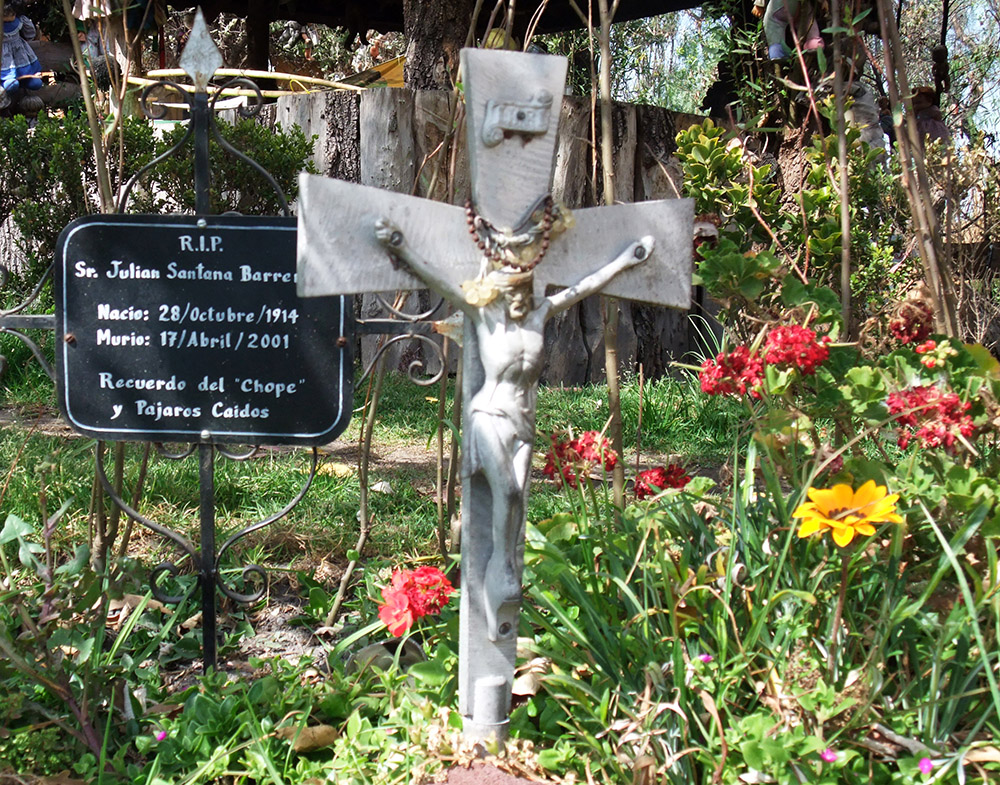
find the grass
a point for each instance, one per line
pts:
(626, 608)
(675, 422)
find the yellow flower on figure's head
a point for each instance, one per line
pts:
(846, 512)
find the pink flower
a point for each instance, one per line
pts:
(160, 735)
(828, 755)
(650, 481)
(934, 417)
(926, 765)
(706, 657)
(572, 458)
(429, 590)
(396, 613)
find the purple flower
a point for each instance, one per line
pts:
(160, 735)
(926, 765)
(706, 657)
(828, 755)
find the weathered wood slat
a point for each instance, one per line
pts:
(333, 117)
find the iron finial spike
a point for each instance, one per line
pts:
(201, 57)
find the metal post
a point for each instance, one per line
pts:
(202, 170)
(207, 571)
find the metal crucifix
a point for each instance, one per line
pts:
(495, 261)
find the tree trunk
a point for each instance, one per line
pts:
(258, 35)
(435, 33)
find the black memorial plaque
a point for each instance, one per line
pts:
(177, 328)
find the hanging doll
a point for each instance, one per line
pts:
(778, 14)
(20, 67)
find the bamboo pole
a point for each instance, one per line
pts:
(103, 180)
(611, 309)
(836, 21)
(915, 180)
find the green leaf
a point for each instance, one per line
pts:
(14, 528)
(985, 362)
(776, 750)
(802, 595)
(431, 673)
(753, 754)
(778, 382)
(552, 759)
(795, 293)
(26, 554)
(79, 561)
(264, 691)
(353, 725)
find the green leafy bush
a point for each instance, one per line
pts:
(235, 185)
(51, 177)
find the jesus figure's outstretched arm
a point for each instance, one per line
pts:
(635, 254)
(394, 241)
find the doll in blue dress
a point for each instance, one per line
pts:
(20, 68)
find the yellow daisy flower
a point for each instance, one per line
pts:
(846, 512)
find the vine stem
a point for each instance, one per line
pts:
(364, 522)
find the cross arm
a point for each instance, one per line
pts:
(339, 251)
(600, 233)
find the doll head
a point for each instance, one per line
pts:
(11, 10)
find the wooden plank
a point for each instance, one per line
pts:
(386, 137)
(333, 117)
(571, 183)
(388, 161)
(435, 115)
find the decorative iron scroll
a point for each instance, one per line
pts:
(208, 564)
(405, 327)
(14, 320)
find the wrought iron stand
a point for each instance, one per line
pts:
(200, 60)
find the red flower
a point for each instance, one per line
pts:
(412, 595)
(925, 348)
(572, 458)
(429, 590)
(396, 613)
(796, 347)
(651, 481)
(934, 417)
(736, 373)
